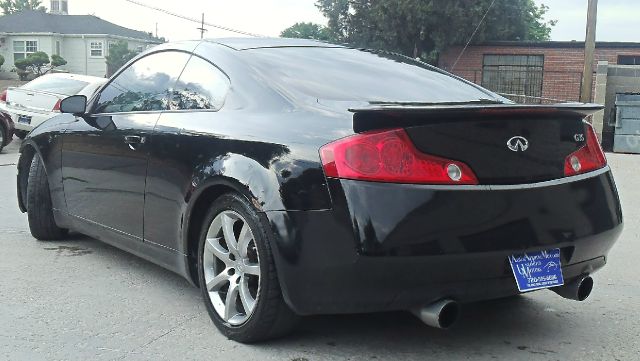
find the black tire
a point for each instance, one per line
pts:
(21, 134)
(271, 317)
(3, 137)
(39, 208)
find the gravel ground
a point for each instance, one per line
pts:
(80, 299)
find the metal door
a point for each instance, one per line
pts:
(627, 126)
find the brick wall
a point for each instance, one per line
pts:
(562, 76)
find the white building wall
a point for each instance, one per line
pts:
(77, 54)
(45, 43)
(75, 49)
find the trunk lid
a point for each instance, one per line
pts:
(32, 101)
(502, 143)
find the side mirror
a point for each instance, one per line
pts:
(76, 105)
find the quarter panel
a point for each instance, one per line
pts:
(192, 151)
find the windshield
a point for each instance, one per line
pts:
(56, 85)
(341, 74)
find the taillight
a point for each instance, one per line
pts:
(588, 158)
(56, 108)
(390, 156)
(3, 96)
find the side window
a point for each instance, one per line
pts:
(201, 86)
(143, 86)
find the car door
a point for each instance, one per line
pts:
(182, 140)
(105, 154)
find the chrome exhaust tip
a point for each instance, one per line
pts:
(578, 290)
(441, 314)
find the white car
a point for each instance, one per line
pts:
(39, 100)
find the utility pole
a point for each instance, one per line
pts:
(201, 28)
(156, 30)
(589, 50)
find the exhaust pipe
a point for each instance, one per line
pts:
(441, 314)
(578, 290)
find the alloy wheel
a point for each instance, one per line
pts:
(231, 266)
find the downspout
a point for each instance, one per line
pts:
(86, 56)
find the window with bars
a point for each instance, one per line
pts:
(628, 59)
(514, 74)
(23, 48)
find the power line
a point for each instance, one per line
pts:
(472, 35)
(198, 21)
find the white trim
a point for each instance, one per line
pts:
(25, 52)
(91, 49)
(110, 36)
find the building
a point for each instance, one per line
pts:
(82, 40)
(550, 69)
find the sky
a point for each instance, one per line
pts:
(618, 20)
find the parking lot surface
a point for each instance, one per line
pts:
(80, 299)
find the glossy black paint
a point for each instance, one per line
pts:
(385, 247)
(139, 181)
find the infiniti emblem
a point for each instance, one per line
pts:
(518, 144)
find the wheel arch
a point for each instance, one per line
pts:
(200, 201)
(27, 151)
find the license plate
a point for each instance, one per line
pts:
(24, 119)
(537, 270)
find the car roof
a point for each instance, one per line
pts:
(260, 42)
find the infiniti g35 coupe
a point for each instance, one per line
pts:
(291, 177)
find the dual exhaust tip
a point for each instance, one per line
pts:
(444, 313)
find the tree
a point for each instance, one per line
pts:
(119, 55)
(425, 27)
(38, 64)
(1, 61)
(309, 31)
(16, 6)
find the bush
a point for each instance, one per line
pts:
(38, 64)
(1, 61)
(57, 60)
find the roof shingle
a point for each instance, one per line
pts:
(41, 22)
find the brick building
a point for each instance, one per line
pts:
(550, 69)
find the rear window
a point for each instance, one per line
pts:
(341, 74)
(56, 85)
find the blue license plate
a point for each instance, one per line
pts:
(537, 270)
(24, 119)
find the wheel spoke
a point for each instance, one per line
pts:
(227, 231)
(230, 309)
(243, 241)
(213, 245)
(218, 281)
(252, 269)
(245, 296)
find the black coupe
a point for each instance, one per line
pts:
(291, 177)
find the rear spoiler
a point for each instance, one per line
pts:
(379, 116)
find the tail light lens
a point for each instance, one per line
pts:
(390, 156)
(56, 108)
(3, 96)
(588, 158)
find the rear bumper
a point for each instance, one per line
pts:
(36, 118)
(388, 247)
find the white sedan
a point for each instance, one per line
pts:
(39, 100)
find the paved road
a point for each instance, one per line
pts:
(82, 300)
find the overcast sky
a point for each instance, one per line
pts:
(618, 20)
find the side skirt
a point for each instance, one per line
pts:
(167, 258)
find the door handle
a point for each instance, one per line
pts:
(134, 141)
